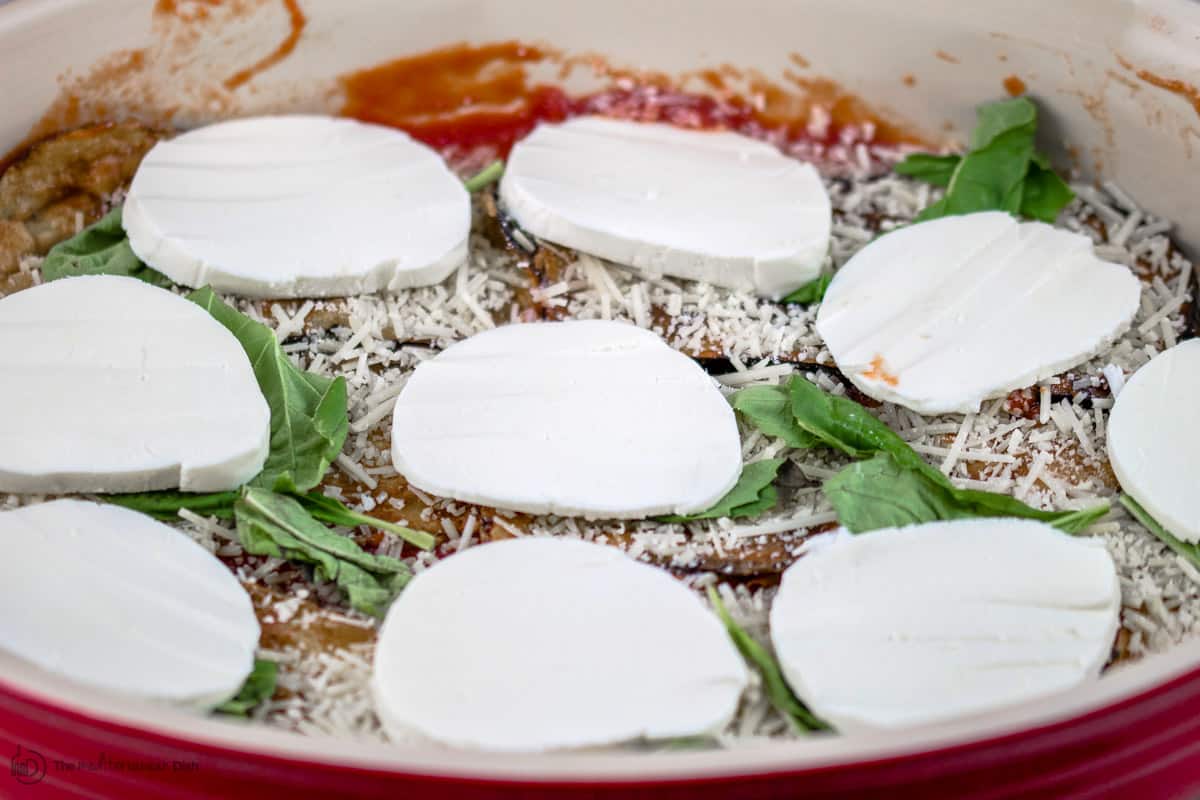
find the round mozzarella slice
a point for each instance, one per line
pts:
(905, 626)
(587, 418)
(540, 644)
(709, 206)
(1154, 439)
(297, 206)
(942, 315)
(111, 598)
(112, 385)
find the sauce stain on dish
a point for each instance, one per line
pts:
(1014, 86)
(464, 97)
(200, 11)
(944, 56)
(1173, 85)
(182, 77)
(296, 22)
(195, 10)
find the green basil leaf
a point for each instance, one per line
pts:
(259, 687)
(1002, 117)
(488, 175)
(880, 493)
(765, 500)
(166, 505)
(811, 292)
(928, 167)
(750, 496)
(844, 424)
(333, 511)
(769, 409)
(895, 486)
(778, 692)
(1001, 171)
(99, 249)
(990, 179)
(1189, 551)
(992, 504)
(308, 412)
(271, 524)
(1046, 194)
(884, 493)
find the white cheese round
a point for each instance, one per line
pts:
(944, 314)
(1154, 439)
(297, 206)
(113, 385)
(905, 626)
(538, 644)
(708, 206)
(112, 599)
(587, 418)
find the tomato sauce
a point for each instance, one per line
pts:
(464, 97)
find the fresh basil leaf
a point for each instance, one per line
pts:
(99, 249)
(333, 511)
(769, 408)
(928, 167)
(844, 424)
(271, 524)
(896, 486)
(750, 496)
(778, 692)
(765, 500)
(1045, 194)
(1189, 551)
(880, 493)
(488, 175)
(166, 505)
(1000, 172)
(258, 688)
(992, 504)
(1002, 117)
(811, 292)
(308, 412)
(884, 493)
(991, 178)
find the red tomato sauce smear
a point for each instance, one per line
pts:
(466, 99)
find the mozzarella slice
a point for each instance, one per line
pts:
(709, 206)
(1154, 439)
(111, 598)
(112, 385)
(588, 418)
(541, 644)
(297, 206)
(942, 315)
(905, 626)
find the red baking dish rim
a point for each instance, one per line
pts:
(1146, 745)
